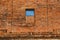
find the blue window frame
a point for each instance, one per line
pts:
(29, 12)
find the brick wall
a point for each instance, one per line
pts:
(14, 20)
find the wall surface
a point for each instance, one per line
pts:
(13, 19)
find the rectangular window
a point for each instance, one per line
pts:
(29, 12)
